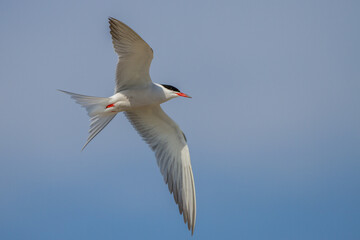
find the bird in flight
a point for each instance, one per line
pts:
(139, 98)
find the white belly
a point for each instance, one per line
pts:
(135, 98)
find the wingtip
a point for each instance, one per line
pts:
(63, 91)
(191, 228)
(87, 142)
(112, 20)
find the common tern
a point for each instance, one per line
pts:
(139, 98)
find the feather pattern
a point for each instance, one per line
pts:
(95, 107)
(97, 123)
(172, 153)
(135, 57)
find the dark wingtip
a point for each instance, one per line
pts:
(62, 91)
(111, 20)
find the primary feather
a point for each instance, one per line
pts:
(135, 57)
(172, 153)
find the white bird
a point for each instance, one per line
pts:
(139, 98)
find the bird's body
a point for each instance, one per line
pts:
(139, 98)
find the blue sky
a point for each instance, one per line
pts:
(273, 126)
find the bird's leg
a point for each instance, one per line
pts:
(110, 105)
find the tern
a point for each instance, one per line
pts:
(139, 98)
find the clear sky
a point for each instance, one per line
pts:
(273, 126)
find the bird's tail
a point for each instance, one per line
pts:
(95, 107)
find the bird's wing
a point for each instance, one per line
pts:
(135, 56)
(172, 153)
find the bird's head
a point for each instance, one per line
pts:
(173, 91)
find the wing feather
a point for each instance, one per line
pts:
(135, 56)
(172, 153)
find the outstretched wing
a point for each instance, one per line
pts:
(172, 153)
(135, 56)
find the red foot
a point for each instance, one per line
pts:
(110, 105)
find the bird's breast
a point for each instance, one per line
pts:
(135, 98)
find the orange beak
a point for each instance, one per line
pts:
(183, 95)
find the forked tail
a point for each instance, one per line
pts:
(95, 107)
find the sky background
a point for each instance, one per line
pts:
(273, 126)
